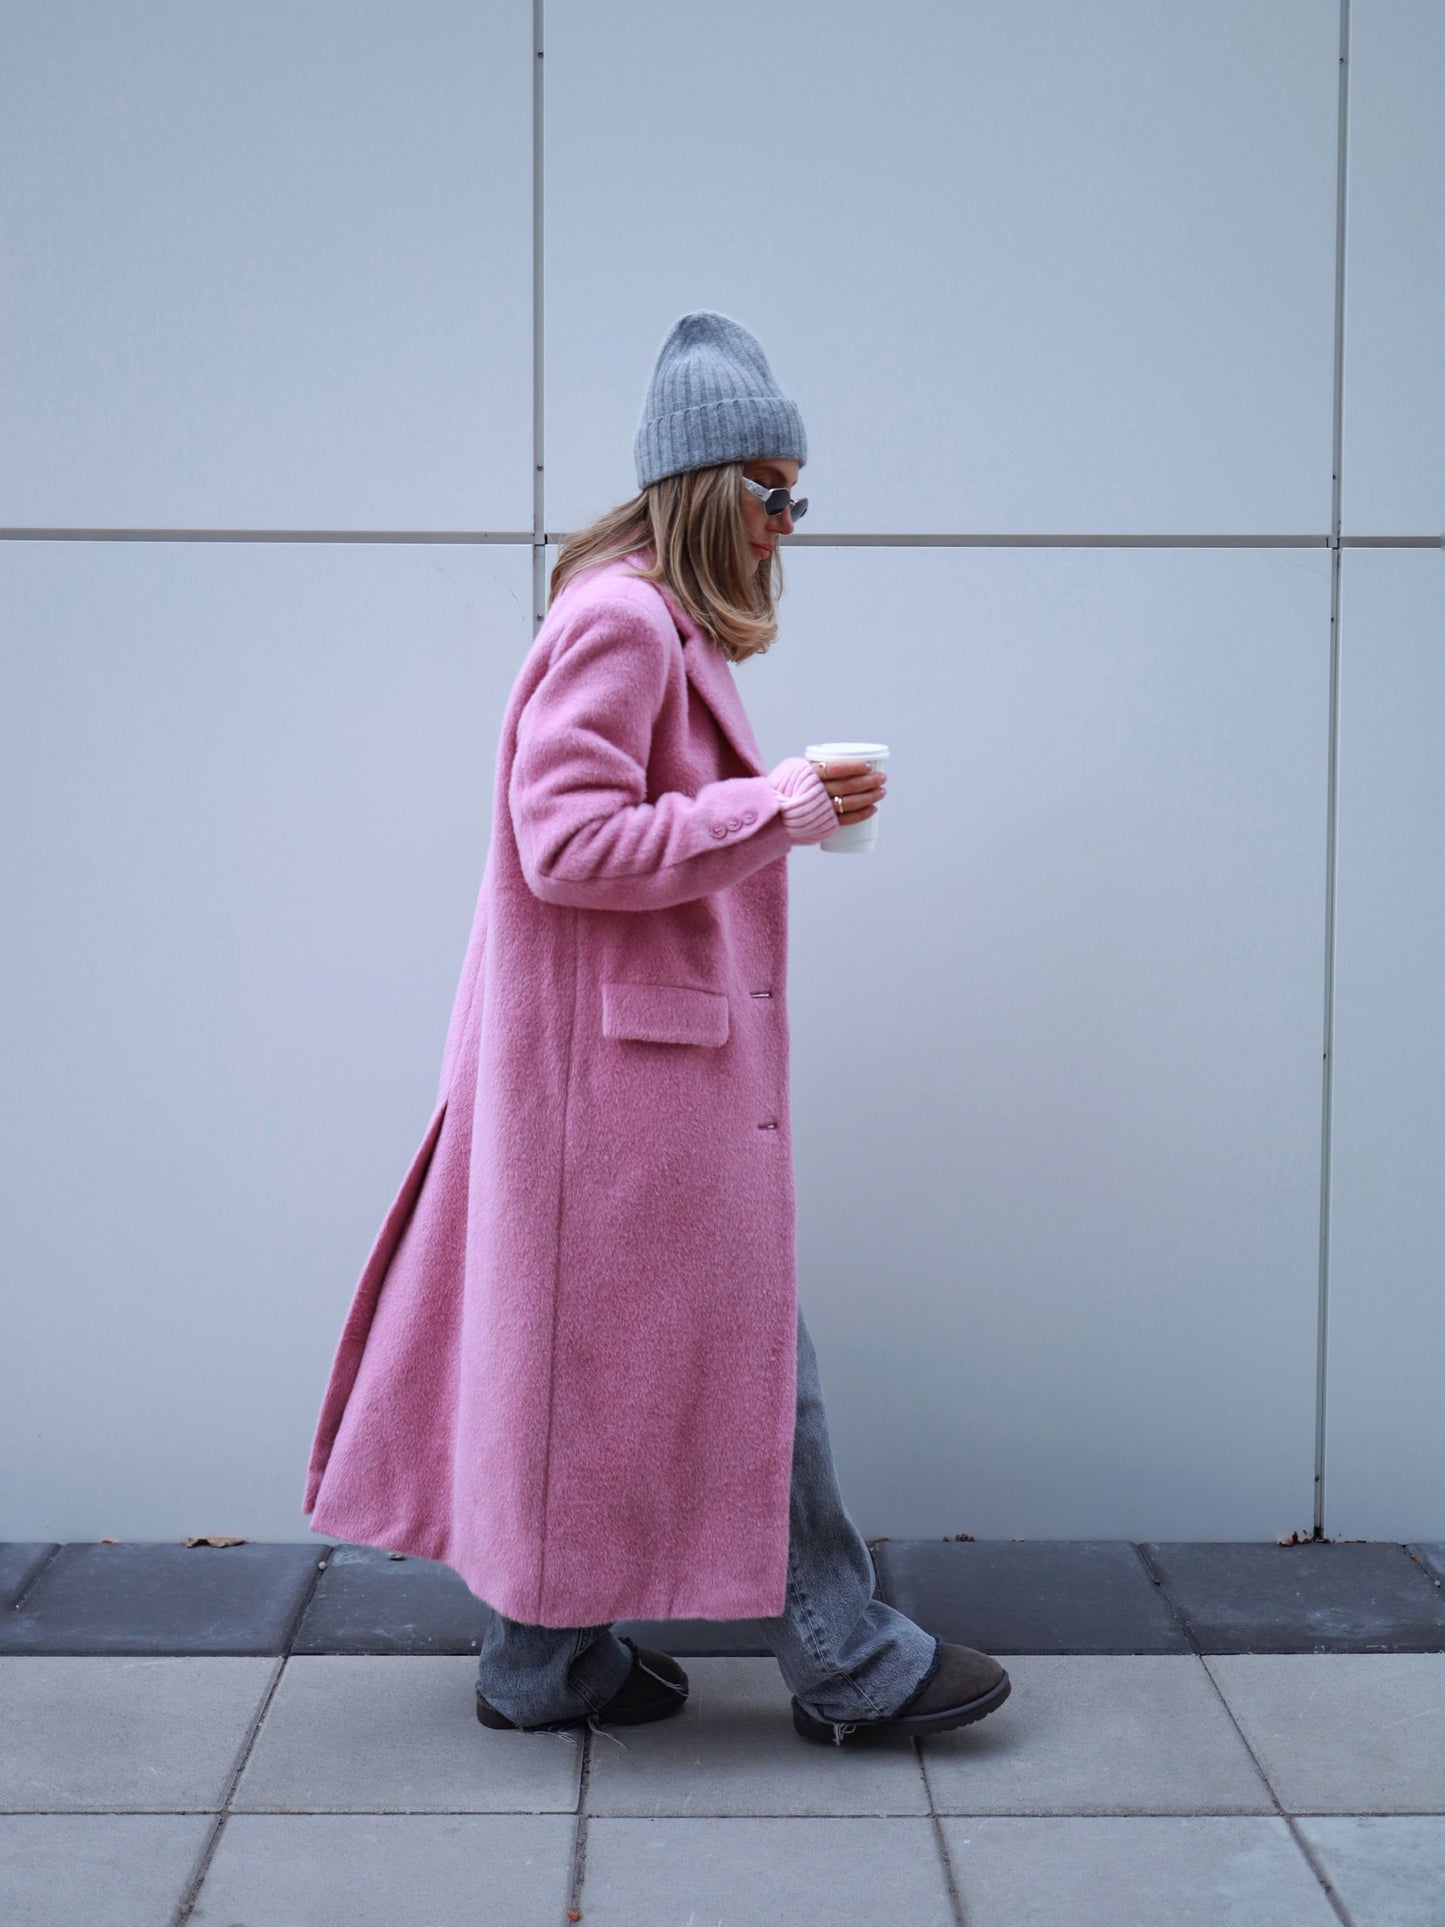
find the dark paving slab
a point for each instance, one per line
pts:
(1322, 1596)
(1029, 1595)
(19, 1563)
(699, 1638)
(1004, 1596)
(372, 1601)
(164, 1598)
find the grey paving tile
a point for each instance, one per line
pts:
(1348, 1596)
(163, 1598)
(375, 1870)
(737, 1873)
(143, 1735)
(733, 1750)
(371, 1601)
(1102, 1734)
(1029, 1596)
(1388, 1869)
(54, 1867)
(19, 1563)
(349, 1733)
(1431, 1555)
(1342, 1732)
(1133, 1872)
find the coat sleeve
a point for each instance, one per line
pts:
(586, 833)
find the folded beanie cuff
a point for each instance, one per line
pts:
(735, 428)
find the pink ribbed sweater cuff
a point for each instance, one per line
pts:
(808, 809)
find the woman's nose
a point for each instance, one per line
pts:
(782, 524)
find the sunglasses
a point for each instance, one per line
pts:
(775, 500)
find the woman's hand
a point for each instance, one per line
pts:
(861, 788)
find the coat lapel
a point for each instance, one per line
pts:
(710, 673)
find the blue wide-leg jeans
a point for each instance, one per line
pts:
(842, 1652)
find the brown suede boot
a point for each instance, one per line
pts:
(961, 1686)
(655, 1689)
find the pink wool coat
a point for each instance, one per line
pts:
(569, 1367)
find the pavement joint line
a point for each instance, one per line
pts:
(191, 1891)
(950, 1880)
(692, 1813)
(25, 1591)
(578, 1871)
(1311, 1861)
(1176, 1612)
(288, 1638)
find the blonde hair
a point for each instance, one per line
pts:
(693, 524)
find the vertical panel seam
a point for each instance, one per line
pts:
(1332, 788)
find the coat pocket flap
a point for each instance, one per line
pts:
(664, 1013)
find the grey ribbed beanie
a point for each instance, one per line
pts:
(712, 398)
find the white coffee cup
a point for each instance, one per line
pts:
(849, 837)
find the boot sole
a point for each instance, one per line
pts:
(813, 1728)
(489, 1716)
(639, 1716)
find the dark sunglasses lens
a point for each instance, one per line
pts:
(778, 501)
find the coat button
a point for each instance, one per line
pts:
(769, 1124)
(750, 816)
(719, 829)
(735, 822)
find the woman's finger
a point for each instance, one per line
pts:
(829, 770)
(851, 776)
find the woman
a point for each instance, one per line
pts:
(575, 1368)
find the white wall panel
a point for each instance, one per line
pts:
(1027, 267)
(1394, 399)
(249, 791)
(1385, 1413)
(1057, 1043)
(266, 267)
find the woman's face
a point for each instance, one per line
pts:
(764, 529)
